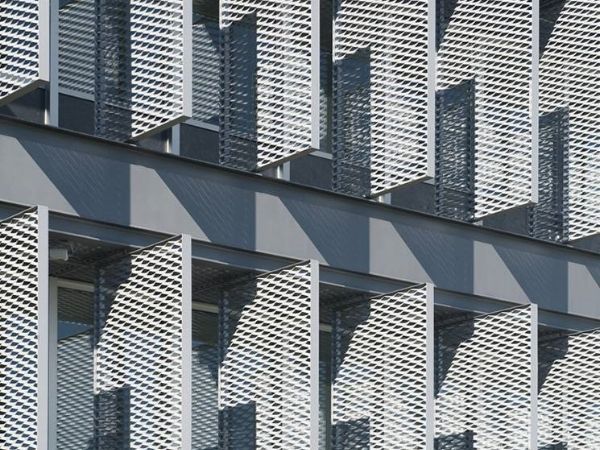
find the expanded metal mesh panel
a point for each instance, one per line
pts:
(268, 366)
(486, 373)
(570, 77)
(142, 64)
(278, 92)
(75, 392)
(23, 24)
(206, 70)
(549, 219)
(139, 349)
(19, 316)
(387, 117)
(569, 399)
(379, 390)
(77, 47)
(493, 43)
(205, 408)
(455, 156)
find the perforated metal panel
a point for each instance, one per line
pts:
(570, 78)
(206, 69)
(23, 319)
(569, 400)
(495, 44)
(142, 378)
(268, 385)
(486, 376)
(274, 104)
(24, 59)
(77, 47)
(382, 366)
(143, 78)
(383, 54)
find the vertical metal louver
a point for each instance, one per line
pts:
(495, 44)
(142, 376)
(77, 47)
(24, 335)
(383, 372)
(270, 81)
(570, 78)
(569, 399)
(25, 36)
(144, 66)
(486, 381)
(383, 90)
(268, 381)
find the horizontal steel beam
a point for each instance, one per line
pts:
(118, 192)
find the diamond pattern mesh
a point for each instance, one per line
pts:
(485, 379)
(569, 77)
(380, 364)
(493, 43)
(275, 85)
(269, 368)
(77, 46)
(19, 316)
(139, 362)
(380, 110)
(569, 399)
(206, 70)
(141, 67)
(21, 65)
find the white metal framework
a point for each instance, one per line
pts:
(283, 94)
(569, 401)
(24, 338)
(268, 380)
(144, 66)
(142, 373)
(570, 78)
(486, 375)
(24, 34)
(384, 100)
(496, 45)
(382, 372)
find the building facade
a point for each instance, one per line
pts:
(299, 224)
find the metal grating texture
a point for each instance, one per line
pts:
(269, 99)
(21, 377)
(143, 68)
(382, 90)
(569, 399)
(77, 47)
(206, 68)
(486, 381)
(495, 44)
(569, 78)
(268, 385)
(24, 33)
(455, 155)
(382, 367)
(549, 218)
(141, 362)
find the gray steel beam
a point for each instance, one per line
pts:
(117, 188)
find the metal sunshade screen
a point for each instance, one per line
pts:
(486, 382)
(24, 62)
(77, 47)
(381, 369)
(140, 354)
(494, 43)
(268, 392)
(381, 100)
(570, 77)
(20, 319)
(279, 88)
(144, 64)
(569, 415)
